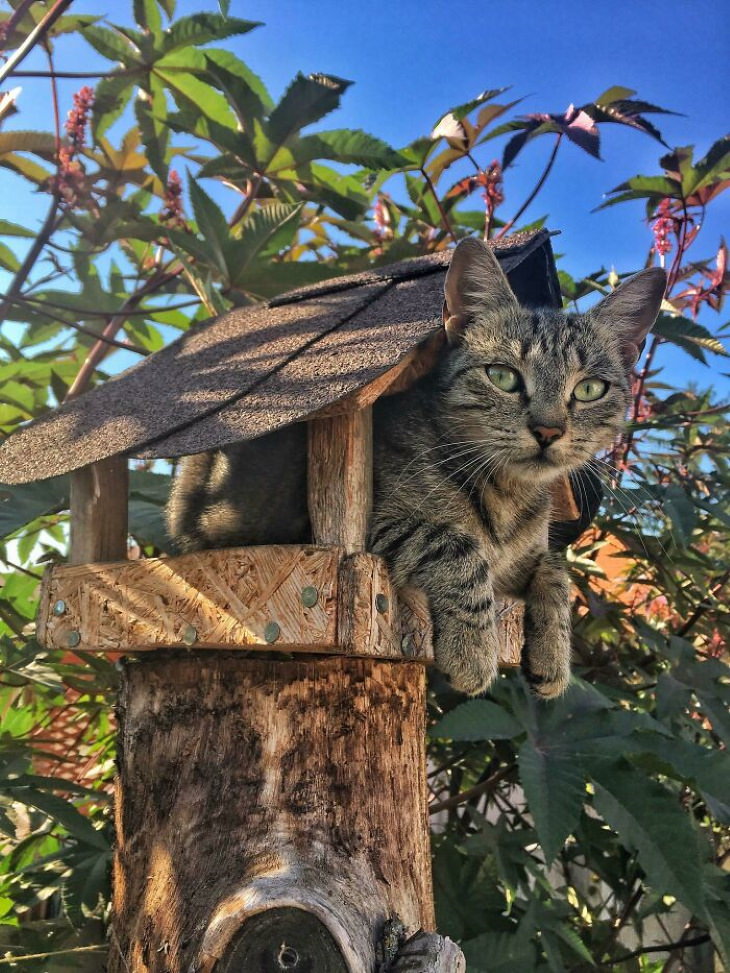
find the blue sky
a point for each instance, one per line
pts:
(412, 61)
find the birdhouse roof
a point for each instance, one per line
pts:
(256, 369)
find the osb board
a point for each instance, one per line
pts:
(210, 599)
(232, 599)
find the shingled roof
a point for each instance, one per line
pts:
(256, 369)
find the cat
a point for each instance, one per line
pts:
(463, 466)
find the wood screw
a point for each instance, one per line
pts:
(59, 607)
(381, 603)
(190, 635)
(272, 632)
(73, 638)
(309, 596)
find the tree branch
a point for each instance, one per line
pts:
(36, 35)
(667, 947)
(540, 183)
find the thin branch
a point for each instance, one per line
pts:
(667, 947)
(23, 957)
(36, 35)
(80, 75)
(50, 225)
(17, 15)
(444, 218)
(142, 312)
(99, 349)
(138, 349)
(476, 791)
(54, 100)
(540, 183)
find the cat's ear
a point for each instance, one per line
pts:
(475, 284)
(631, 310)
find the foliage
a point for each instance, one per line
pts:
(560, 828)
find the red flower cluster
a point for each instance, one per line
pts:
(711, 288)
(70, 182)
(172, 214)
(664, 224)
(491, 179)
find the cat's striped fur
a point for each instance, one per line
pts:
(463, 468)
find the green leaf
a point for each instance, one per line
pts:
(306, 100)
(42, 143)
(476, 719)
(112, 45)
(681, 511)
(648, 819)
(212, 225)
(341, 145)
(13, 229)
(681, 331)
(111, 97)
(147, 16)
(86, 885)
(461, 111)
(554, 784)
(198, 94)
(64, 813)
(8, 260)
(19, 505)
(260, 227)
(245, 91)
(205, 27)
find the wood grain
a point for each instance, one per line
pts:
(99, 511)
(229, 599)
(247, 784)
(340, 479)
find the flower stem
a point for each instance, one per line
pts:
(540, 183)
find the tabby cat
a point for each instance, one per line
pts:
(464, 463)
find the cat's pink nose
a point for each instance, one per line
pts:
(546, 435)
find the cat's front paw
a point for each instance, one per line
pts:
(546, 664)
(468, 657)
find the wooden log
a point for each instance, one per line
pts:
(429, 953)
(340, 479)
(99, 511)
(247, 785)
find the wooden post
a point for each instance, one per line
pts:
(99, 511)
(271, 813)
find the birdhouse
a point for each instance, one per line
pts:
(271, 807)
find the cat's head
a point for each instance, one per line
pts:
(540, 391)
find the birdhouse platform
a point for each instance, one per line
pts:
(271, 809)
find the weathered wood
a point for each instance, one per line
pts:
(99, 511)
(246, 785)
(429, 953)
(340, 479)
(289, 598)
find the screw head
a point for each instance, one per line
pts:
(190, 635)
(309, 596)
(272, 632)
(381, 603)
(59, 607)
(73, 638)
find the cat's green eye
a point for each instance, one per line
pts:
(590, 389)
(506, 379)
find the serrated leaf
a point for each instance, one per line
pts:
(648, 819)
(554, 784)
(202, 28)
(343, 145)
(147, 16)
(111, 97)
(245, 91)
(199, 94)
(112, 45)
(306, 100)
(259, 228)
(42, 143)
(212, 224)
(680, 330)
(476, 719)
(20, 505)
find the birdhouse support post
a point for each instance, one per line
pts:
(270, 809)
